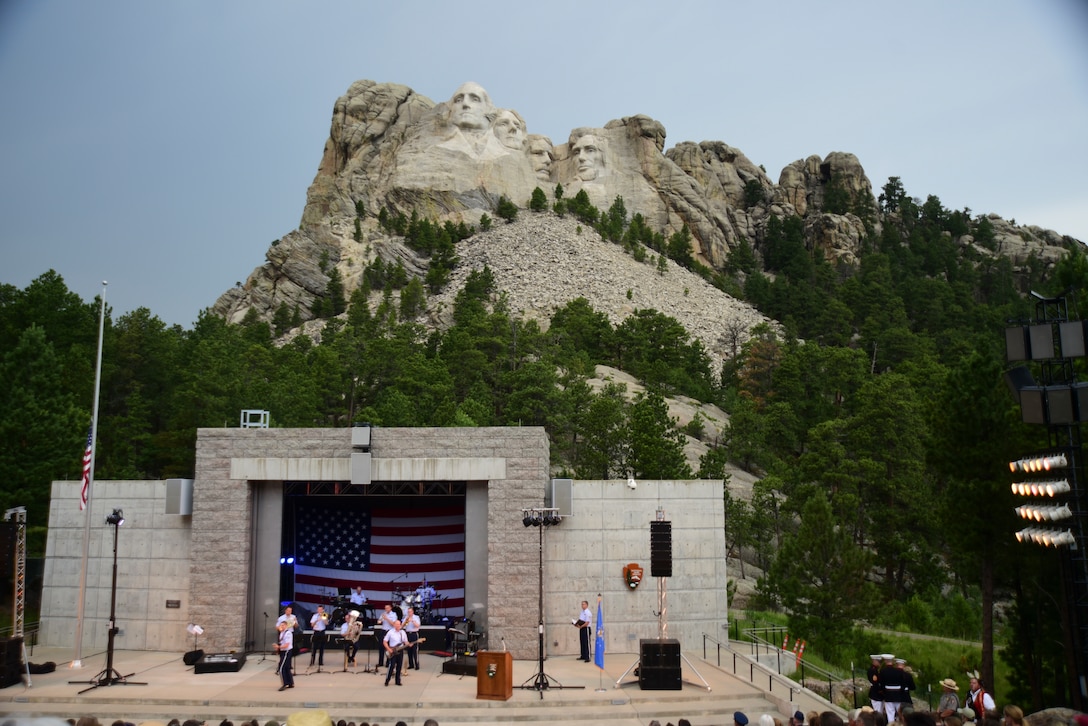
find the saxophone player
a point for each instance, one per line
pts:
(318, 622)
(351, 630)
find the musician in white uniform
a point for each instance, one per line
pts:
(285, 644)
(357, 596)
(394, 643)
(411, 628)
(318, 622)
(350, 631)
(386, 620)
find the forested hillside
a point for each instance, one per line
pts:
(875, 416)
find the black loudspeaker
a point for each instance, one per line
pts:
(660, 549)
(7, 550)
(659, 665)
(11, 661)
(192, 657)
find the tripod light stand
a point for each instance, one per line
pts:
(109, 676)
(541, 518)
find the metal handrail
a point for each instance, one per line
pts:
(774, 678)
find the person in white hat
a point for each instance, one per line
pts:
(876, 690)
(891, 678)
(950, 700)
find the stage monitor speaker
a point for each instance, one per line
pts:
(660, 549)
(192, 657)
(220, 663)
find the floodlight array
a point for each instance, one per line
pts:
(1045, 537)
(1038, 464)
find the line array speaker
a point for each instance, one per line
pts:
(660, 549)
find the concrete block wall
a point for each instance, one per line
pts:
(609, 528)
(152, 567)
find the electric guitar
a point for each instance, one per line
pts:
(405, 646)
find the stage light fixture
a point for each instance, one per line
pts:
(1037, 464)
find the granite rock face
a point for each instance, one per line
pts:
(392, 149)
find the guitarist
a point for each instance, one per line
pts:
(394, 643)
(411, 628)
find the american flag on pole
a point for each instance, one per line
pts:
(393, 546)
(84, 489)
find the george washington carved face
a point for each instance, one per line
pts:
(470, 107)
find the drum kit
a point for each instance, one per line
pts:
(423, 600)
(341, 606)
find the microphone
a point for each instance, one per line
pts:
(266, 615)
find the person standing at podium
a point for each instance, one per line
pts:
(582, 623)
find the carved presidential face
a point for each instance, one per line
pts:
(470, 106)
(541, 156)
(510, 130)
(588, 153)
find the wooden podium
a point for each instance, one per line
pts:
(494, 676)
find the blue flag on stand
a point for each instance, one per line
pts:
(598, 646)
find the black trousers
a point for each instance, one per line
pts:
(395, 662)
(583, 639)
(317, 647)
(413, 650)
(284, 669)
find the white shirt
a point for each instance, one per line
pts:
(586, 616)
(358, 598)
(395, 637)
(388, 618)
(318, 623)
(411, 625)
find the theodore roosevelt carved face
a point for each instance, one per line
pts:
(541, 156)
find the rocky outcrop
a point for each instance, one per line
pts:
(392, 149)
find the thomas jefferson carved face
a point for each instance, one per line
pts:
(510, 129)
(588, 153)
(541, 156)
(470, 106)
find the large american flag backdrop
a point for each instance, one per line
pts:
(382, 544)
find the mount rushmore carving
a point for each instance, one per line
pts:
(393, 149)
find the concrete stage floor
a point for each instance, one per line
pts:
(174, 690)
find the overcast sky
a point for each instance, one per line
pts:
(163, 145)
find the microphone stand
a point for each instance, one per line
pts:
(264, 651)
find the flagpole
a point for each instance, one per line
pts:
(77, 661)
